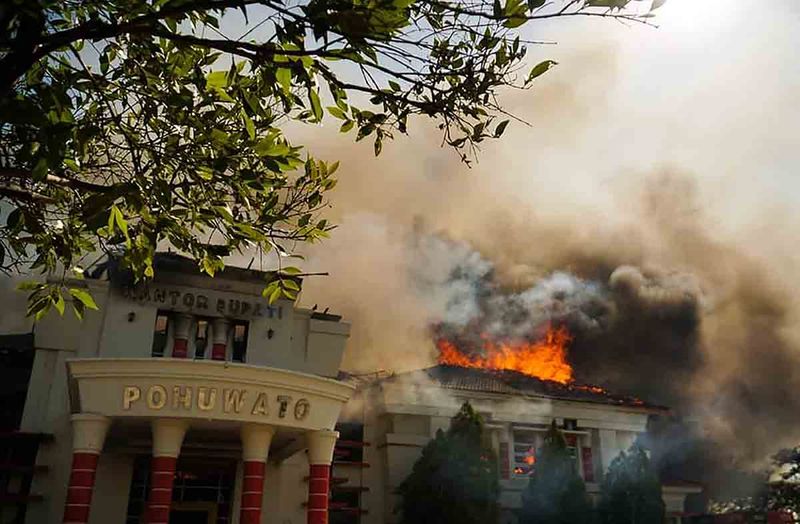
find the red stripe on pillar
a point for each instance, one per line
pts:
(218, 351)
(588, 464)
(81, 486)
(179, 348)
(159, 501)
(318, 486)
(252, 491)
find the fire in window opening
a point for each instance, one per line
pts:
(201, 339)
(240, 332)
(160, 332)
(524, 446)
(528, 441)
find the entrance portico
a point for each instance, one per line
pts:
(173, 396)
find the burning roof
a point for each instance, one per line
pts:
(506, 382)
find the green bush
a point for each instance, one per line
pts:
(455, 479)
(555, 493)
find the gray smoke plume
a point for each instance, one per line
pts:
(666, 245)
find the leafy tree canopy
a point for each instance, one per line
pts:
(127, 125)
(631, 491)
(455, 479)
(555, 493)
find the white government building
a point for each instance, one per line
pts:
(193, 402)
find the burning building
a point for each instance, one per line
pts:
(193, 401)
(519, 388)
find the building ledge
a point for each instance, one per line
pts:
(146, 388)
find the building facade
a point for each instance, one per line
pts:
(191, 401)
(187, 401)
(402, 413)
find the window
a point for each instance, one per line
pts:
(160, 335)
(240, 330)
(201, 339)
(526, 442)
(572, 448)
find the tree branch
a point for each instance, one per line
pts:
(25, 174)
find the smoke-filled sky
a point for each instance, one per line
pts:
(653, 196)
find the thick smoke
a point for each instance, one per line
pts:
(658, 240)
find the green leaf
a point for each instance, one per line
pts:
(212, 265)
(336, 112)
(291, 270)
(540, 69)
(275, 295)
(267, 147)
(316, 106)
(83, 296)
(501, 127)
(248, 124)
(40, 169)
(29, 285)
(535, 4)
(217, 79)
(284, 77)
(347, 126)
(269, 288)
(59, 304)
(78, 308)
(14, 218)
(205, 172)
(291, 285)
(116, 218)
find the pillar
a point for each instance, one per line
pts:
(167, 441)
(320, 454)
(220, 346)
(256, 439)
(88, 434)
(180, 343)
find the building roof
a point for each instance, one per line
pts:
(169, 262)
(518, 384)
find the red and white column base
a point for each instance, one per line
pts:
(256, 439)
(320, 455)
(220, 338)
(168, 437)
(180, 344)
(88, 435)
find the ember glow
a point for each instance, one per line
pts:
(545, 359)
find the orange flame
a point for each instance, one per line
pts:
(545, 359)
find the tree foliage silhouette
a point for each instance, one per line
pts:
(132, 125)
(631, 491)
(455, 479)
(555, 493)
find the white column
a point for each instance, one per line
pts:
(88, 435)
(220, 338)
(320, 455)
(180, 343)
(256, 439)
(168, 434)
